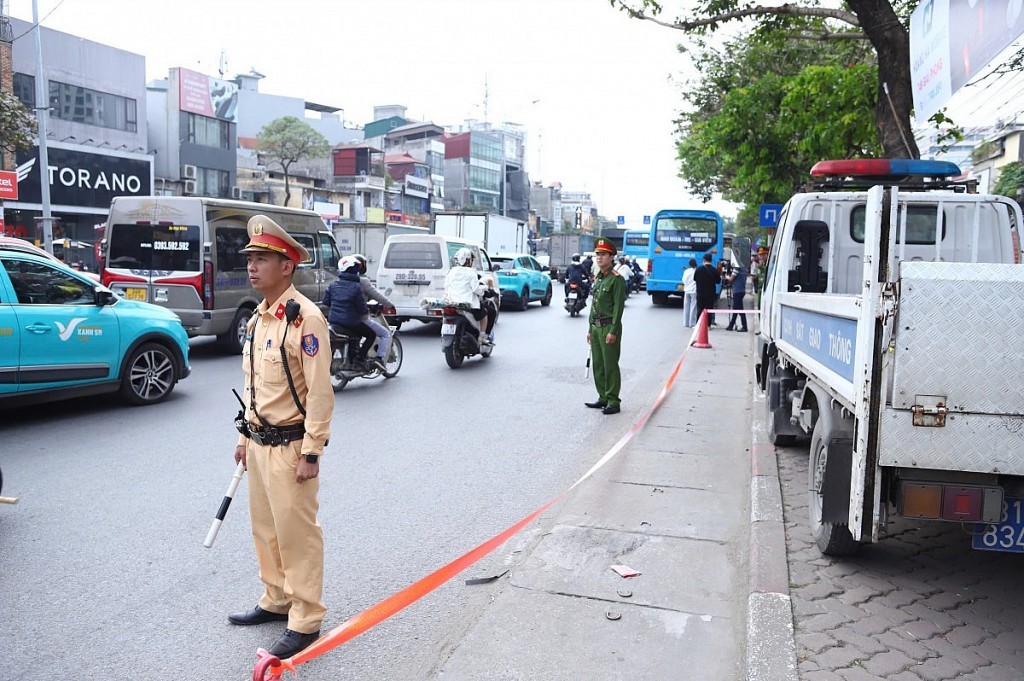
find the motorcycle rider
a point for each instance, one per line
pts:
(626, 272)
(347, 306)
(463, 284)
(370, 292)
(577, 274)
(638, 274)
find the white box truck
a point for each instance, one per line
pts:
(891, 322)
(497, 233)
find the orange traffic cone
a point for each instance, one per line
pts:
(702, 331)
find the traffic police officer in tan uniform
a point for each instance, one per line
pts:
(289, 402)
(605, 331)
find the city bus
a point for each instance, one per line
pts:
(676, 236)
(636, 244)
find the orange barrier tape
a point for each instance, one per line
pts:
(374, 615)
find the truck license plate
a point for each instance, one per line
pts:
(1006, 535)
(135, 294)
(447, 329)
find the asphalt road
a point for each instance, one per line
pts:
(102, 570)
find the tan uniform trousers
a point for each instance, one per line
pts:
(289, 541)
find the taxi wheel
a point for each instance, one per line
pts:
(149, 376)
(546, 300)
(524, 299)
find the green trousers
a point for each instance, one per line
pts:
(605, 363)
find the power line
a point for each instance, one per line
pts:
(33, 26)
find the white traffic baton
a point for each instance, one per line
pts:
(224, 504)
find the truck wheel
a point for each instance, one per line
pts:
(546, 300)
(833, 539)
(234, 338)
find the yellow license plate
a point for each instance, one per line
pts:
(135, 294)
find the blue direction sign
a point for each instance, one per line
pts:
(647, 219)
(621, 220)
(768, 214)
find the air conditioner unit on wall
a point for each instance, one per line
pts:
(236, 192)
(188, 172)
(190, 187)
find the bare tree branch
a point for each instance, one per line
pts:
(781, 10)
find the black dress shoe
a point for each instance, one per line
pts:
(292, 642)
(256, 616)
(596, 405)
(611, 409)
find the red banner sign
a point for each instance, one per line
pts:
(8, 185)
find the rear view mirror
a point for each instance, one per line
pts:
(102, 297)
(495, 267)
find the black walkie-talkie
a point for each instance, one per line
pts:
(291, 313)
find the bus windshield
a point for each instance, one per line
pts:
(156, 248)
(679, 237)
(695, 234)
(636, 243)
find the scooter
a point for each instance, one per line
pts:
(575, 299)
(345, 363)
(460, 335)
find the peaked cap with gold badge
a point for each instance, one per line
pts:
(267, 235)
(603, 245)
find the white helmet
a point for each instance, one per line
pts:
(463, 256)
(348, 262)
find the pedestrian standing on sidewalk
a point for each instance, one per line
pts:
(289, 403)
(690, 295)
(738, 281)
(605, 330)
(707, 278)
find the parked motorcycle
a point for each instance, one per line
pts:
(575, 299)
(345, 363)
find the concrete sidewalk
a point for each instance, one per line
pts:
(689, 504)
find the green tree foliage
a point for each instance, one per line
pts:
(766, 109)
(286, 140)
(18, 129)
(1011, 180)
(880, 23)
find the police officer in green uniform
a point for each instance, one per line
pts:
(605, 331)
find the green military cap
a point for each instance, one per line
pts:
(603, 245)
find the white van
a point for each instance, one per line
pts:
(413, 267)
(182, 253)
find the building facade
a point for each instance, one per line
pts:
(96, 138)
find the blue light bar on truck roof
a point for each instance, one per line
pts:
(884, 167)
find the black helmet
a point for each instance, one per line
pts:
(362, 262)
(575, 257)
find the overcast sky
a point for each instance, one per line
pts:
(596, 91)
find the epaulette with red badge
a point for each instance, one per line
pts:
(279, 312)
(298, 321)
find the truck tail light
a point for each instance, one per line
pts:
(959, 503)
(207, 285)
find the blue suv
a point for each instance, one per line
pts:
(522, 279)
(63, 335)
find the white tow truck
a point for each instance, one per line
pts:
(892, 334)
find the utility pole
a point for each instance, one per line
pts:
(42, 112)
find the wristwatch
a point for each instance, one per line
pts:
(312, 458)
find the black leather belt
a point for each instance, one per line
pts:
(275, 436)
(601, 322)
